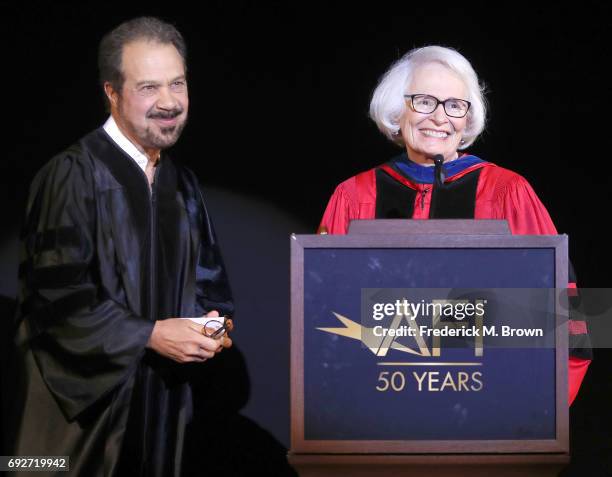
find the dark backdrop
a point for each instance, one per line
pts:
(279, 98)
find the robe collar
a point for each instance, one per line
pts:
(127, 146)
(425, 174)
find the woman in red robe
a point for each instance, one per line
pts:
(432, 104)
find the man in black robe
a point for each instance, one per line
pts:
(117, 247)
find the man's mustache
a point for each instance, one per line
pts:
(165, 114)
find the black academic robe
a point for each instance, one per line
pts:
(103, 257)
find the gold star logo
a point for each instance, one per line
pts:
(379, 345)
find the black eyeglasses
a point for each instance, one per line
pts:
(426, 104)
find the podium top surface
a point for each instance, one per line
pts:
(430, 226)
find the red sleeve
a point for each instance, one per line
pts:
(576, 370)
(524, 211)
(527, 215)
(337, 214)
(355, 198)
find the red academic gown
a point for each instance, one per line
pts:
(481, 190)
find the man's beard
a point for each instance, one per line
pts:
(163, 138)
(166, 136)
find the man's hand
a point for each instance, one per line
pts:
(224, 341)
(182, 341)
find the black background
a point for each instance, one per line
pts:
(279, 96)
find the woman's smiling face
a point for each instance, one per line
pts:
(426, 135)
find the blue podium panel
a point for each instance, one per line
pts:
(441, 344)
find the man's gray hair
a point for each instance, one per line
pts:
(142, 28)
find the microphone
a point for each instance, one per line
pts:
(439, 172)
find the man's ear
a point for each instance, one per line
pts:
(111, 94)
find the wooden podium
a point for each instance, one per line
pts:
(385, 382)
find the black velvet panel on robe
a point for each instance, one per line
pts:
(102, 259)
(393, 199)
(456, 200)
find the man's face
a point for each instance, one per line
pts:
(151, 108)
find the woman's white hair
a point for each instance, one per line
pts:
(388, 103)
